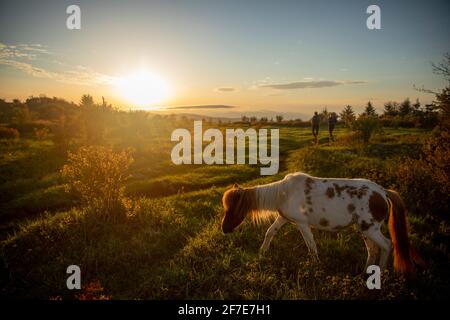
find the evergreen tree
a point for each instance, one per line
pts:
(347, 116)
(370, 110)
(405, 108)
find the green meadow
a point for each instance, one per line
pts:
(172, 246)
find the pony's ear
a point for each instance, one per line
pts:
(236, 186)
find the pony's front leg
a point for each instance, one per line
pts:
(273, 229)
(306, 232)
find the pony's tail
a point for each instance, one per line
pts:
(405, 257)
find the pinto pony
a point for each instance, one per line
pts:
(327, 204)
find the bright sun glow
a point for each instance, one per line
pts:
(143, 89)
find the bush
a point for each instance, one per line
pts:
(41, 133)
(426, 181)
(366, 126)
(97, 174)
(350, 138)
(9, 133)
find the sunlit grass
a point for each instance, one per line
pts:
(173, 247)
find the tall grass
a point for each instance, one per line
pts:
(172, 247)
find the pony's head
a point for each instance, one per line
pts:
(237, 202)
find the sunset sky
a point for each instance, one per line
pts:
(284, 56)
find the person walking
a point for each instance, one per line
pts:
(332, 119)
(315, 122)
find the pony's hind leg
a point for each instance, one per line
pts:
(382, 242)
(305, 230)
(273, 229)
(372, 252)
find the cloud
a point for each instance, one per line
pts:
(225, 89)
(201, 107)
(22, 51)
(28, 58)
(310, 84)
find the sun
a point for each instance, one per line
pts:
(143, 89)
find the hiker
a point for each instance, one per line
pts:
(332, 119)
(315, 122)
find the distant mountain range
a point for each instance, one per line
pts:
(227, 113)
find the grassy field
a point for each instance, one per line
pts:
(173, 247)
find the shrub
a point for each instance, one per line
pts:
(93, 291)
(350, 138)
(366, 126)
(41, 134)
(97, 175)
(8, 133)
(64, 131)
(426, 181)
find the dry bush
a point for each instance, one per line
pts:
(41, 133)
(93, 291)
(97, 175)
(426, 181)
(8, 133)
(366, 126)
(350, 138)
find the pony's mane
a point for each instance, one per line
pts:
(267, 203)
(260, 202)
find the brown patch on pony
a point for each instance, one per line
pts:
(351, 190)
(351, 208)
(330, 192)
(378, 206)
(338, 189)
(362, 191)
(237, 202)
(324, 181)
(365, 226)
(308, 200)
(308, 185)
(324, 222)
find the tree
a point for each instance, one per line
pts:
(369, 110)
(416, 108)
(427, 179)
(443, 68)
(65, 130)
(366, 126)
(279, 118)
(405, 108)
(324, 115)
(442, 102)
(86, 101)
(94, 119)
(244, 119)
(21, 114)
(347, 116)
(391, 108)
